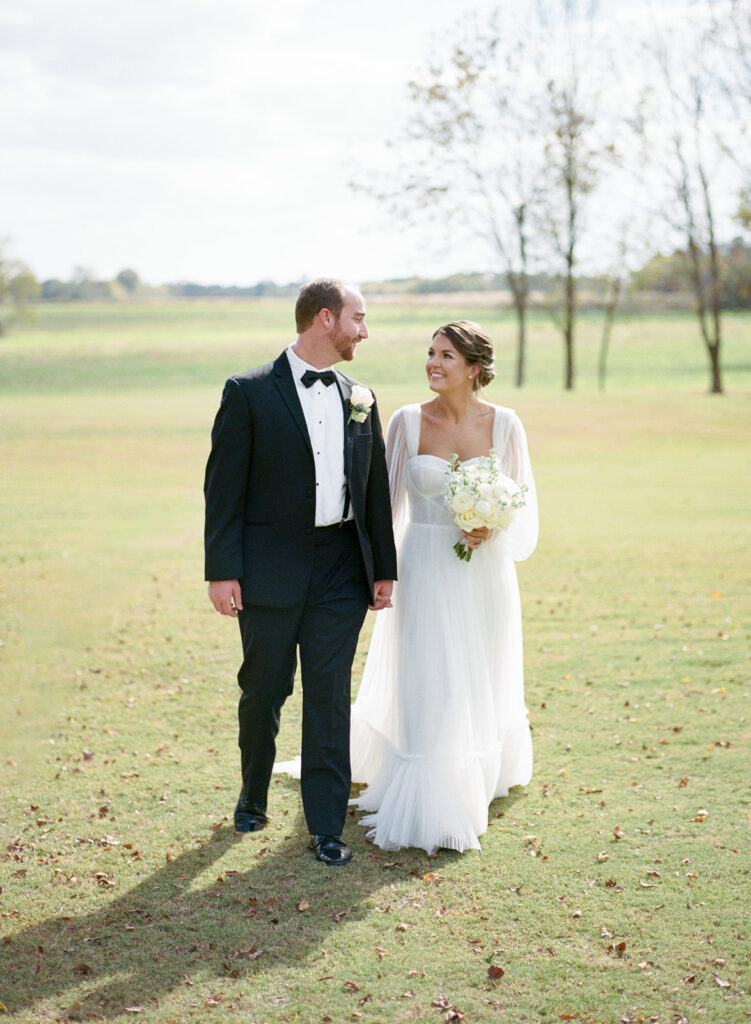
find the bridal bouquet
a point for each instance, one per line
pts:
(480, 495)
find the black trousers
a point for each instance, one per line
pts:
(324, 628)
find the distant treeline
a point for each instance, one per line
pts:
(661, 275)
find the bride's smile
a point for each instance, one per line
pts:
(446, 366)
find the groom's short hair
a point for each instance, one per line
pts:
(323, 293)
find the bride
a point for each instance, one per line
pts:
(439, 726)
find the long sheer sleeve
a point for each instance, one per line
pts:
(520, 540)
(397, 458)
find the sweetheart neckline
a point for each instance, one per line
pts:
(427, 455)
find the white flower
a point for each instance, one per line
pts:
(360, 402)
(460, 502)
(480, 495)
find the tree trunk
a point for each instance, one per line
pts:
(521, 345)
(520, 292)
(715, 290)
(607, 327)
(714, 360)
(568, 329)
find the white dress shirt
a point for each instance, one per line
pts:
(324, 416)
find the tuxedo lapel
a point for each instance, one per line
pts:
(345, 390)
(285, 382)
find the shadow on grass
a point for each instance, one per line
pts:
(176, 928)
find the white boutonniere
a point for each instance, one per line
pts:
(360, 402)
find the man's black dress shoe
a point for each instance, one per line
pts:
(331, 849)
(249, 817)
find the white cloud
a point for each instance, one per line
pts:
(209, 140)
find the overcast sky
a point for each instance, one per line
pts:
(210, 140)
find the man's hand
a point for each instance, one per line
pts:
(381, 595)
(226, 596)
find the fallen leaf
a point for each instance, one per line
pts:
(381, 952)
(495, 972)
(430, 877)
(351, 986)
(720, 981)
(134, 1009)
(303, 905)
(402, 927)
(618, 832)
(602, 856)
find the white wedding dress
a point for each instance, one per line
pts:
(439, 726)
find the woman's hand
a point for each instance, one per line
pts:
(474, 538)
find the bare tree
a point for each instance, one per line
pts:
(579, 146)
(467, 155)
(729, 35)
(679, 124)
(502, 141)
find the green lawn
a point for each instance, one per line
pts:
(615, 887)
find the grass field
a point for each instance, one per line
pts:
(615, 887)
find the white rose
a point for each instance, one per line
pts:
(461, 502)
(484, 509)
(361, 396)
(360, 401)
(468, 521)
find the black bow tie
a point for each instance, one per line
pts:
(311, 376)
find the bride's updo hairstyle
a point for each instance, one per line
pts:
(475, 345)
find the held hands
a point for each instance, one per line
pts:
(474, 538)
(226, 596)
(381, 595)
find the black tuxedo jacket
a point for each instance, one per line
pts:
(260, 488)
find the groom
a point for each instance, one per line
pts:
(298, 544)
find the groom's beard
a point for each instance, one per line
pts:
(345, 343)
